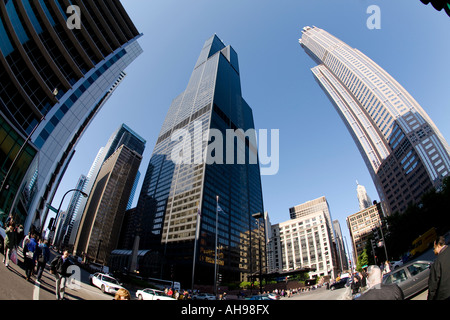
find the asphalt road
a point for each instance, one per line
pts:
(14, 286)
(320, 294)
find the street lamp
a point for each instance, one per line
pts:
(215, 252)
(84, 194)
(257, 217)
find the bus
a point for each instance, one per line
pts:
(423, 242)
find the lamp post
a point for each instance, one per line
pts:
(384, 240)
(84, 194)
(257, 217)
(215, 253)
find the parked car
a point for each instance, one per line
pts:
(412, 278)
(260, 297)
(396, 264)
(204, 296)
(105, 282)
(152, 294)
(342, 283)
(273, 296)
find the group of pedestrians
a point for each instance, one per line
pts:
(36, 255)
(36, 252)
(13, 237)
(359, 282)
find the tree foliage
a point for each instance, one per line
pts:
(404, 228)
(363, 259)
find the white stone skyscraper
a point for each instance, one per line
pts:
(363, 198)
(403, 149)
(308, 239)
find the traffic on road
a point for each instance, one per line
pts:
(82, 284)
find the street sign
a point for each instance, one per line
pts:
(52, 208)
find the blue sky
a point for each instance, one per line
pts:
(317, 154)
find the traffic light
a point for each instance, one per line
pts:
(375, 234)
(439, 5)
(51, 227)
(372, 242)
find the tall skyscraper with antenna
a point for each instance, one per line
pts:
(178, 205)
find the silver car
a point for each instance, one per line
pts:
(412, 278)
(204, 296)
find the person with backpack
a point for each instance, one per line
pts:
(28, 256)
(42, 257)
(58, 267)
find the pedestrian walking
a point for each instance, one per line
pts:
(379, 291)
(58, 267)
(42, 256)
(20, 234)
(10, 242)
(356, 284)
(387, 267)
(25, 240)
(364, 278)
(28, 256)
(439, 279)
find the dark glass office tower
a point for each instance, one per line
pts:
(103, 216)
(124, 135)
(54, 78)
(177, 205)
(112, 183)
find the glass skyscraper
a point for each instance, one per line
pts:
(403, 149)
(54, 80)
(177, 205)
(101, 223)
(64, 230)
(124, 135)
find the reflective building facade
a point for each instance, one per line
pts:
(100, 226)
(177, 205)
(124, 135)
(54, 80)
(403, 149)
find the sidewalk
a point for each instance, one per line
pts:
(45, 290)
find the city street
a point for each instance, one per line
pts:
(14, 286)
(319, 294)
(339, 294)
(344, 294)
